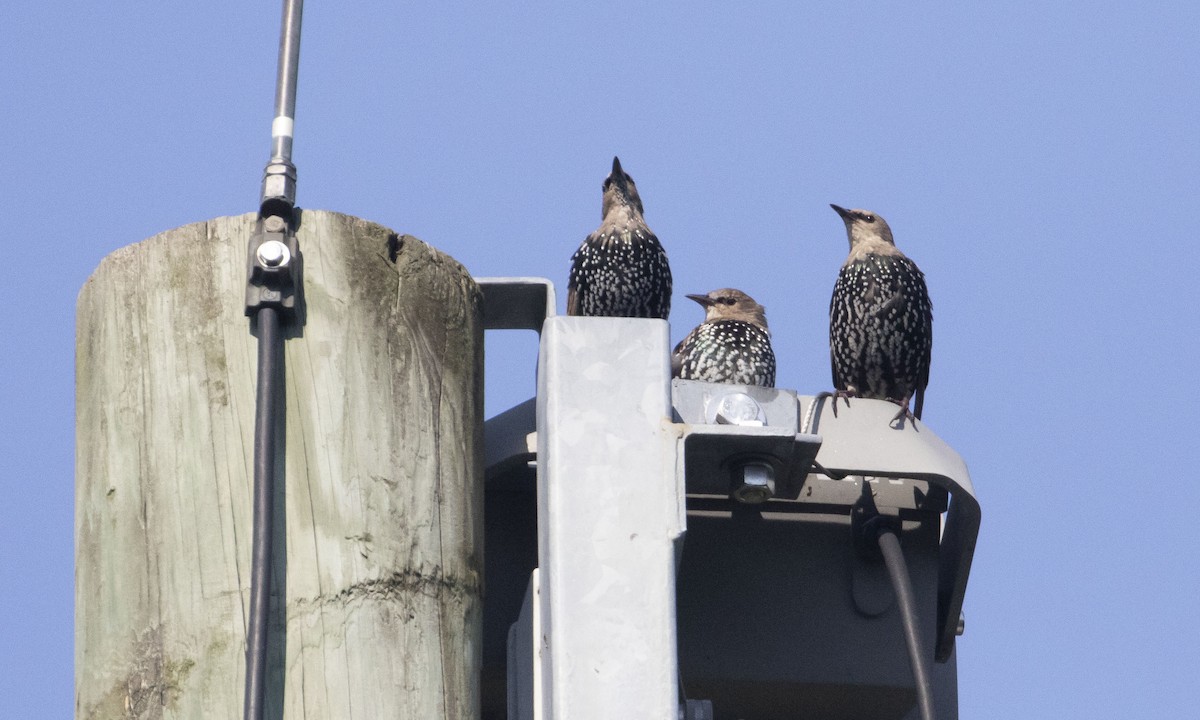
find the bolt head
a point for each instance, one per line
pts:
(735, 408)
(273, 254)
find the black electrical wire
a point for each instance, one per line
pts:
(897, 569)
(270, 356)
(277, 203)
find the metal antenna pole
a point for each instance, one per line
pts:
(272, 291)
(279, 179)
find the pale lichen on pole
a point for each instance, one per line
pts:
(378, 531)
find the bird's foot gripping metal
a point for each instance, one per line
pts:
(845, 394)
(905, 413)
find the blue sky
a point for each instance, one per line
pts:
(1038, 160)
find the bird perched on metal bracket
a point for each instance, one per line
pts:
(880, 319)
(732, 345)
(620, 270)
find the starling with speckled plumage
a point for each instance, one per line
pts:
(620, 270)
(732, 345)
(880, 318)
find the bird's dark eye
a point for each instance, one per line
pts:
(869, 218)
(607, 183)
(725, 300)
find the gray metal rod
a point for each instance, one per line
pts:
(279, 179)
(285, 84)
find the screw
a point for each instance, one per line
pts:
(274, 224)
(273, 254)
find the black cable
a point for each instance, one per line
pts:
(272, 289)
(270, 356)
(897, 569)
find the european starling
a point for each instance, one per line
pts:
(880, 318)
(732, 345)
(620, 270)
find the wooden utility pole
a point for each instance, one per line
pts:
(377, 566)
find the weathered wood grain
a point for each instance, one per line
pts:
(377, 588)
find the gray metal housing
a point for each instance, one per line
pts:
(618, 483)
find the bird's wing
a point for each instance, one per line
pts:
(927, 356)
(833, 302)
(668, 283)
(677, 358)
(923, 377)
(575, 280)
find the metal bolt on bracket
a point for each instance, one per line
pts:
(273, 254)
(735, 408)
(756, 484)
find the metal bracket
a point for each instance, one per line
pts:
(731, 428)
(860, 440)
(273, 267)
(516, 303)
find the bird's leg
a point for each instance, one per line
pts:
(904, 413)
(847, 393)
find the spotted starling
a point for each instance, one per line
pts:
(880, 318)
(620, 270)
(732, 345)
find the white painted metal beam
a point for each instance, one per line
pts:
(610, 512)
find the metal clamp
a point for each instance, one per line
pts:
(860, 440)
(273, 267)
